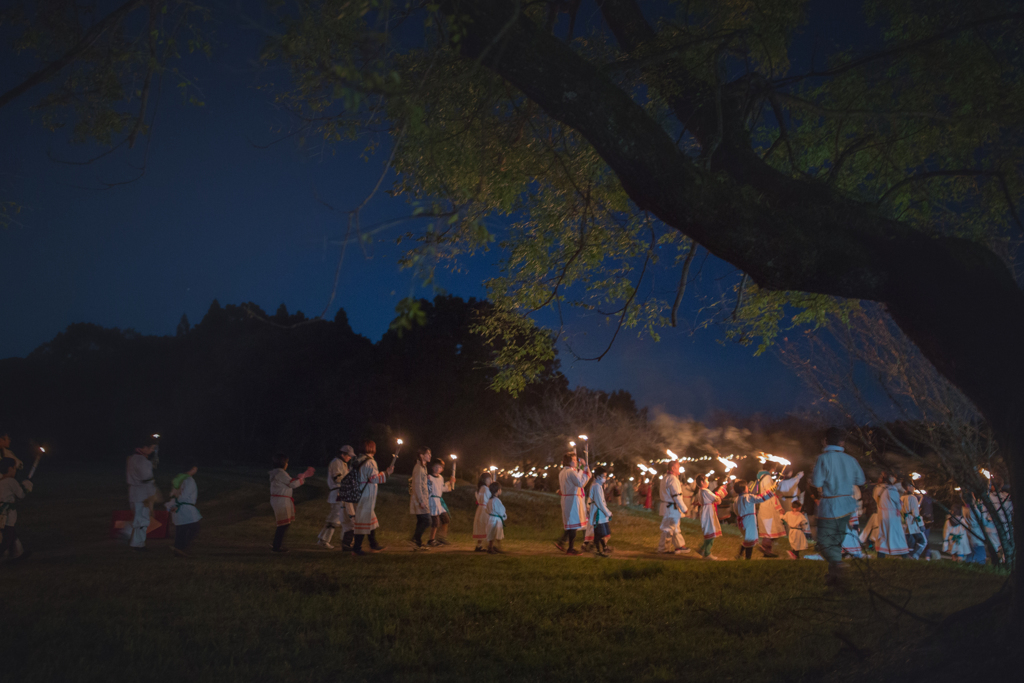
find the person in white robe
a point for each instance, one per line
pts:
(282, 499)
(341, 514)
(10, 493)
(979, 529)
(851, 542)
(798, 525)
(789, 491)
(600, 514)
(184, 513)
(142, 492)
(496, 518)
(571, 482)
(366, 517)
(912, 521)
(746, 516)
(891, 539)
(419, 497)
(708, 501)
(483, 495)
(769, 514)
(440, 518)
(954, 534)
(672, 508)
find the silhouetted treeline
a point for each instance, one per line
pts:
(241, 385)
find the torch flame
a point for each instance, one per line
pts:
(400, 442)
(915, 476)
(671, 455)
(728, 464)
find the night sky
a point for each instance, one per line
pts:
(219, 215)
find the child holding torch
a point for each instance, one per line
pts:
(672, 509)
(600, 515)
(746, 515)
(708, 502)
(281, 499)
(439, 517)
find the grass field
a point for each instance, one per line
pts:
(85, 608)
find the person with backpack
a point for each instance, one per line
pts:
(341, 514)
(281, 499)
(369, 478)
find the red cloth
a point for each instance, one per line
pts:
(159, 520)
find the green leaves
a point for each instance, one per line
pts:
(408, 313)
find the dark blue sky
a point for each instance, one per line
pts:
(216, 216)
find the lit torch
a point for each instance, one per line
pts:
(728, 464)
(586, 449)
(35, 463)
(454, 463)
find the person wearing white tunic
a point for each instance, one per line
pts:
(480, 518)
(979, 529)
(439, 515)
(788, 491)
(571, 482)
(746, 516)
(954, 534)
(891, 539)
(281, 498)
(419, 497)
(184, 513)
(796, 521)
(835, 473)
(911, 509)
(600, 515)
(496, 518)
(672, 509)
(141, 489)
(366, 518)
(769, 514)
(851, 541)
(708, 502)
(10, 493)
(341, 514)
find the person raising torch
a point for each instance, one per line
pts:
(571, 481)
(672, 509)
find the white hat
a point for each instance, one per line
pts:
(348, 450)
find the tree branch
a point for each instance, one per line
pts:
(682, 281)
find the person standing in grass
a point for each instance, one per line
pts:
(954, 534)
(911, 509)
(891, 539)
(571, 481)
(708, 501)
(419, 497)
(851, 541)
(141, 488)
(600, 515)
(672, 509)
(796, 521)
(746, 516)
(835, 473)
(769, 514)
(496, 518)
(10, 493)
(439, 516)
(341, 513)
(483, 495)
(184, 513)
(281, 498)
(369, 480)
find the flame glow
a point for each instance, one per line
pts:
(728, 464)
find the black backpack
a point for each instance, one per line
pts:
(349, 490)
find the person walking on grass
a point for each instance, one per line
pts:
(571, 482)
(496, 518)
(600, 515)
(708, 501)
(746, 516)
(341, 513)
(142, 493)
(769, 514)
(911, 508)
(184, 513)
(796, 521)
(483, 495)
(369, 480)
(891, 539)
(835, 473)
(419, 497)
(672, 509)
(10, 493)
(281, 498)
(439, 517)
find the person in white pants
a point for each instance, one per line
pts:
(342, 514)
(141, 488)
(672, 509)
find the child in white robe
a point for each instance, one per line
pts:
(672, 509)
(708, 502)
(10, 493)
(184, 513)
(796, 522)
(439, 517)
(851, 541)
(954, 534)
(911, 508)
(366, 516)
(341, 514)
(769, 515)
(600, 515)
(588, 530)
(891, 539)
(788, 491)
(483, 494)
(281, 498)
(746, 516)
(496, 518)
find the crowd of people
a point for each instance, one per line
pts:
(897, 516)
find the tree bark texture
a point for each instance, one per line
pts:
(952, 297)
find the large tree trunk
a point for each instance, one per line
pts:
(952, 297)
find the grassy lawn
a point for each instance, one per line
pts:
(85, 608)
